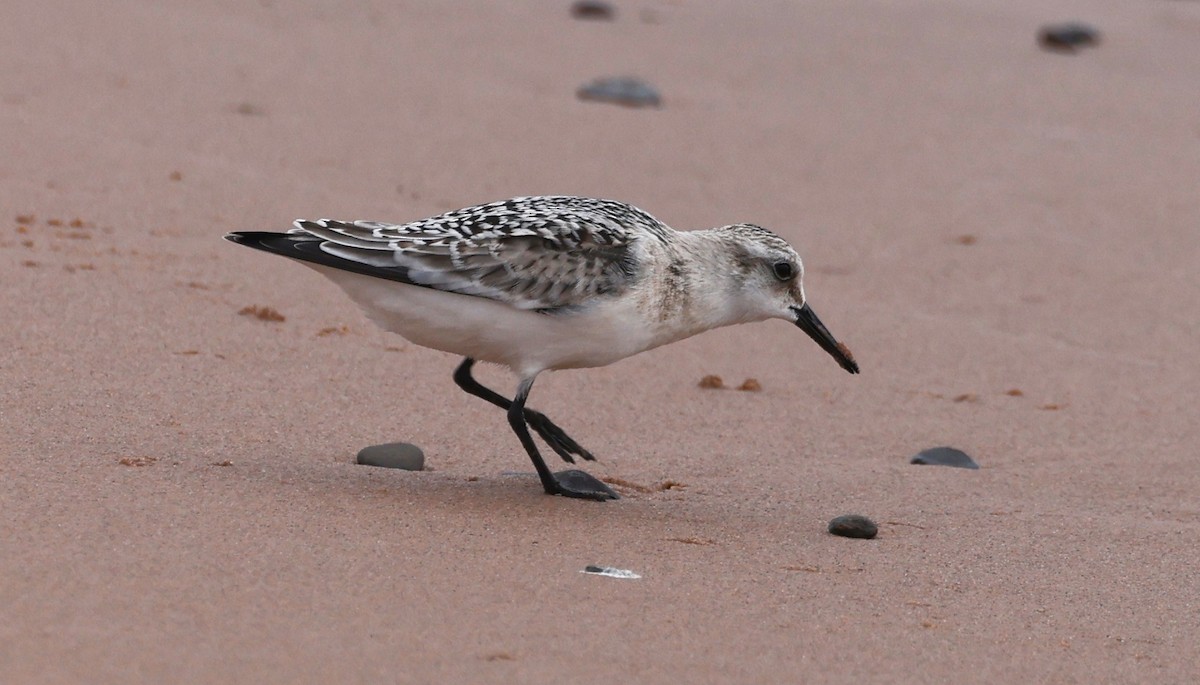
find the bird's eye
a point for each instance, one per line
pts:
(784, 270)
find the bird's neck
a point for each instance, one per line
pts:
(698, 286)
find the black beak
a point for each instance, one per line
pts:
(807, 321)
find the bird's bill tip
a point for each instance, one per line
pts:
(807, 321)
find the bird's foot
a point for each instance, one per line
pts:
(559, 441)
(580, 485)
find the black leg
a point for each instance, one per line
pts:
(554, 436)
(570, 483)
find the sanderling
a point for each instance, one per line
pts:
(547, 283)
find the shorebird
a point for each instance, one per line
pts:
(553, 282)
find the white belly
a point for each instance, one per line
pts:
(525, 341)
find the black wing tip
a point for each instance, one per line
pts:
(279, 243)
(252, 237)
(307, 248)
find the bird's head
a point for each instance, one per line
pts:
(772, 277)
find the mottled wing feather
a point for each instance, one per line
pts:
(542, 253)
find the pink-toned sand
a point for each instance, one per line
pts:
(977, 216)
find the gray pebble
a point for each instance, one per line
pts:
(944, 456)
(1068, 37)
(854, 526)
(593, 9)
(393, 455)
(629, 92)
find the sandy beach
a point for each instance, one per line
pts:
(1005, 236)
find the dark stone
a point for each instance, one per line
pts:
(249, 109)
(583, 485)
(854, 526)
(393, 455)
(593, 9)
(944, 456)
(629, 92)
(1067, 37)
